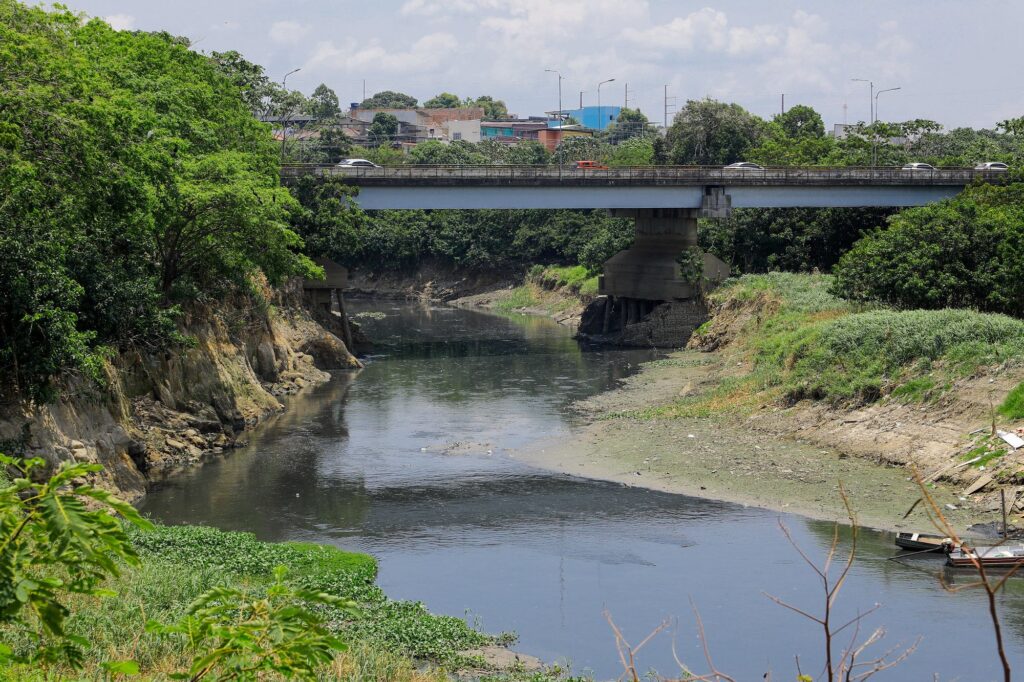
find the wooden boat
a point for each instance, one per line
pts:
(923, 542)
(998, 556)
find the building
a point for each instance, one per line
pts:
(552, 137)
(597, 118)
(419, 125)
(467, 131)
(514, 130)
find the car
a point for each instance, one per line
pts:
(918, 166)
(992, 166)
(590, 165)
(743, 166)
(356, 163)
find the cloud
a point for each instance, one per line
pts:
(426, 54)
(287, 32)
(120, 22)
(430, 8)
(706, 30)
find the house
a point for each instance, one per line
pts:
(419, 125)
(594, 117)
(552, 137)
(513, 130)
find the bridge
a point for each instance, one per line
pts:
(664, 203)
(642, 187)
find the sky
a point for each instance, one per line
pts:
(955, 61)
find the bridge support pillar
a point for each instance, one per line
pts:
(649, 269)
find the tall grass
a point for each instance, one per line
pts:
(804, 343)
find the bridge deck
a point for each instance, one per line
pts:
(548, 187)
(646, 176)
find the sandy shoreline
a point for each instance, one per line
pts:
(726, 458)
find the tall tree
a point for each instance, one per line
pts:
(494, 109)
(384, 128)
(445, 100)
(709, 132)
(323, 104)
(801, 121)
(388, 99)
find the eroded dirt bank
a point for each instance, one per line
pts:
(693, 423)
(161, 412)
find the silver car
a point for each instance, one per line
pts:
(356, 163)
(992, 166)
(918, 166)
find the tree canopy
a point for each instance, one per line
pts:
(709, 133)
(135, 178)
(388, 99)
(445, 100)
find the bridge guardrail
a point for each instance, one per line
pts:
(681, 175)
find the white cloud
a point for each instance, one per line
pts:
(426, 54)
(430, 8)
(706, 30)
(287, 32)
(120, 22)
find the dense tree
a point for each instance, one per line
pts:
(445, 100)
(636, 151)
(629, 123)
(494, 109)
(582, 147)
(528, 153)
(435, 152)
(961, 253)
(330, 222)
(708, 132)
(383, 129)
(801, 121)
(389, 99)
(134, 178)
(323, 104)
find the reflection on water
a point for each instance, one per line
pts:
(409, 460)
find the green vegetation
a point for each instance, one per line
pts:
(81, 592)
(963, 252)
(135, 180)
(802, 342)
(1013, 406)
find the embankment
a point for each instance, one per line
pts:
(163, 411)
(788, 390)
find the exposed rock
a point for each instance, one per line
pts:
(164, 411)
(328, 352)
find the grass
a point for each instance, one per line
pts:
(804, 343)
(1013, 406)
(390, 639)
(518, 298)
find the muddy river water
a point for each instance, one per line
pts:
(413, 460)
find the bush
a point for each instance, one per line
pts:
(961, 253)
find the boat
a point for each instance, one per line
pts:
(996, 556)
(923, 542)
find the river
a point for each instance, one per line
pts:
(412, 460)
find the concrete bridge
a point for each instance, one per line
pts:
(664, 202)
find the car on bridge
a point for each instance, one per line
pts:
(744, 166)
(992, 166)
(918, 166)
(356, 163)
(590, 165)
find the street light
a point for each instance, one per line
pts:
(559, 117)
(600, 113)
(581, 99)
(871, 98)
(284, 123)
(874, 147)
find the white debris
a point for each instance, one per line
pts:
(1012, 439)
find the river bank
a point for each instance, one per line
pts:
(711, 423)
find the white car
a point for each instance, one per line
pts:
(743, 166)
(992, 166)
(918, 166)
(356, 163)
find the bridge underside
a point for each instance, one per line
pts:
(666, 197)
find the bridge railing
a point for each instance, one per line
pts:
(688, 175)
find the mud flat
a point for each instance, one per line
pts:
(739, 458)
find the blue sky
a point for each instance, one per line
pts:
(955, 62)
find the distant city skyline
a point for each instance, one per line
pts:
(955, 62)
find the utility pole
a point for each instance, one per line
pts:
(581, 100)
(783, 103)
(364, 89)
(284, 126)
(625, 103)
(666, 109)
(560, 119)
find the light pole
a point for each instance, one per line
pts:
(581, 100)
(874, 147)
(284, 123)
(871, 98)
(600, 113)
(559, 117)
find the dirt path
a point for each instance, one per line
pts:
(727, 458)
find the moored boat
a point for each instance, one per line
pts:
(997, 556)
(923, 542)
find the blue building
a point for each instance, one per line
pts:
(592, 116)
